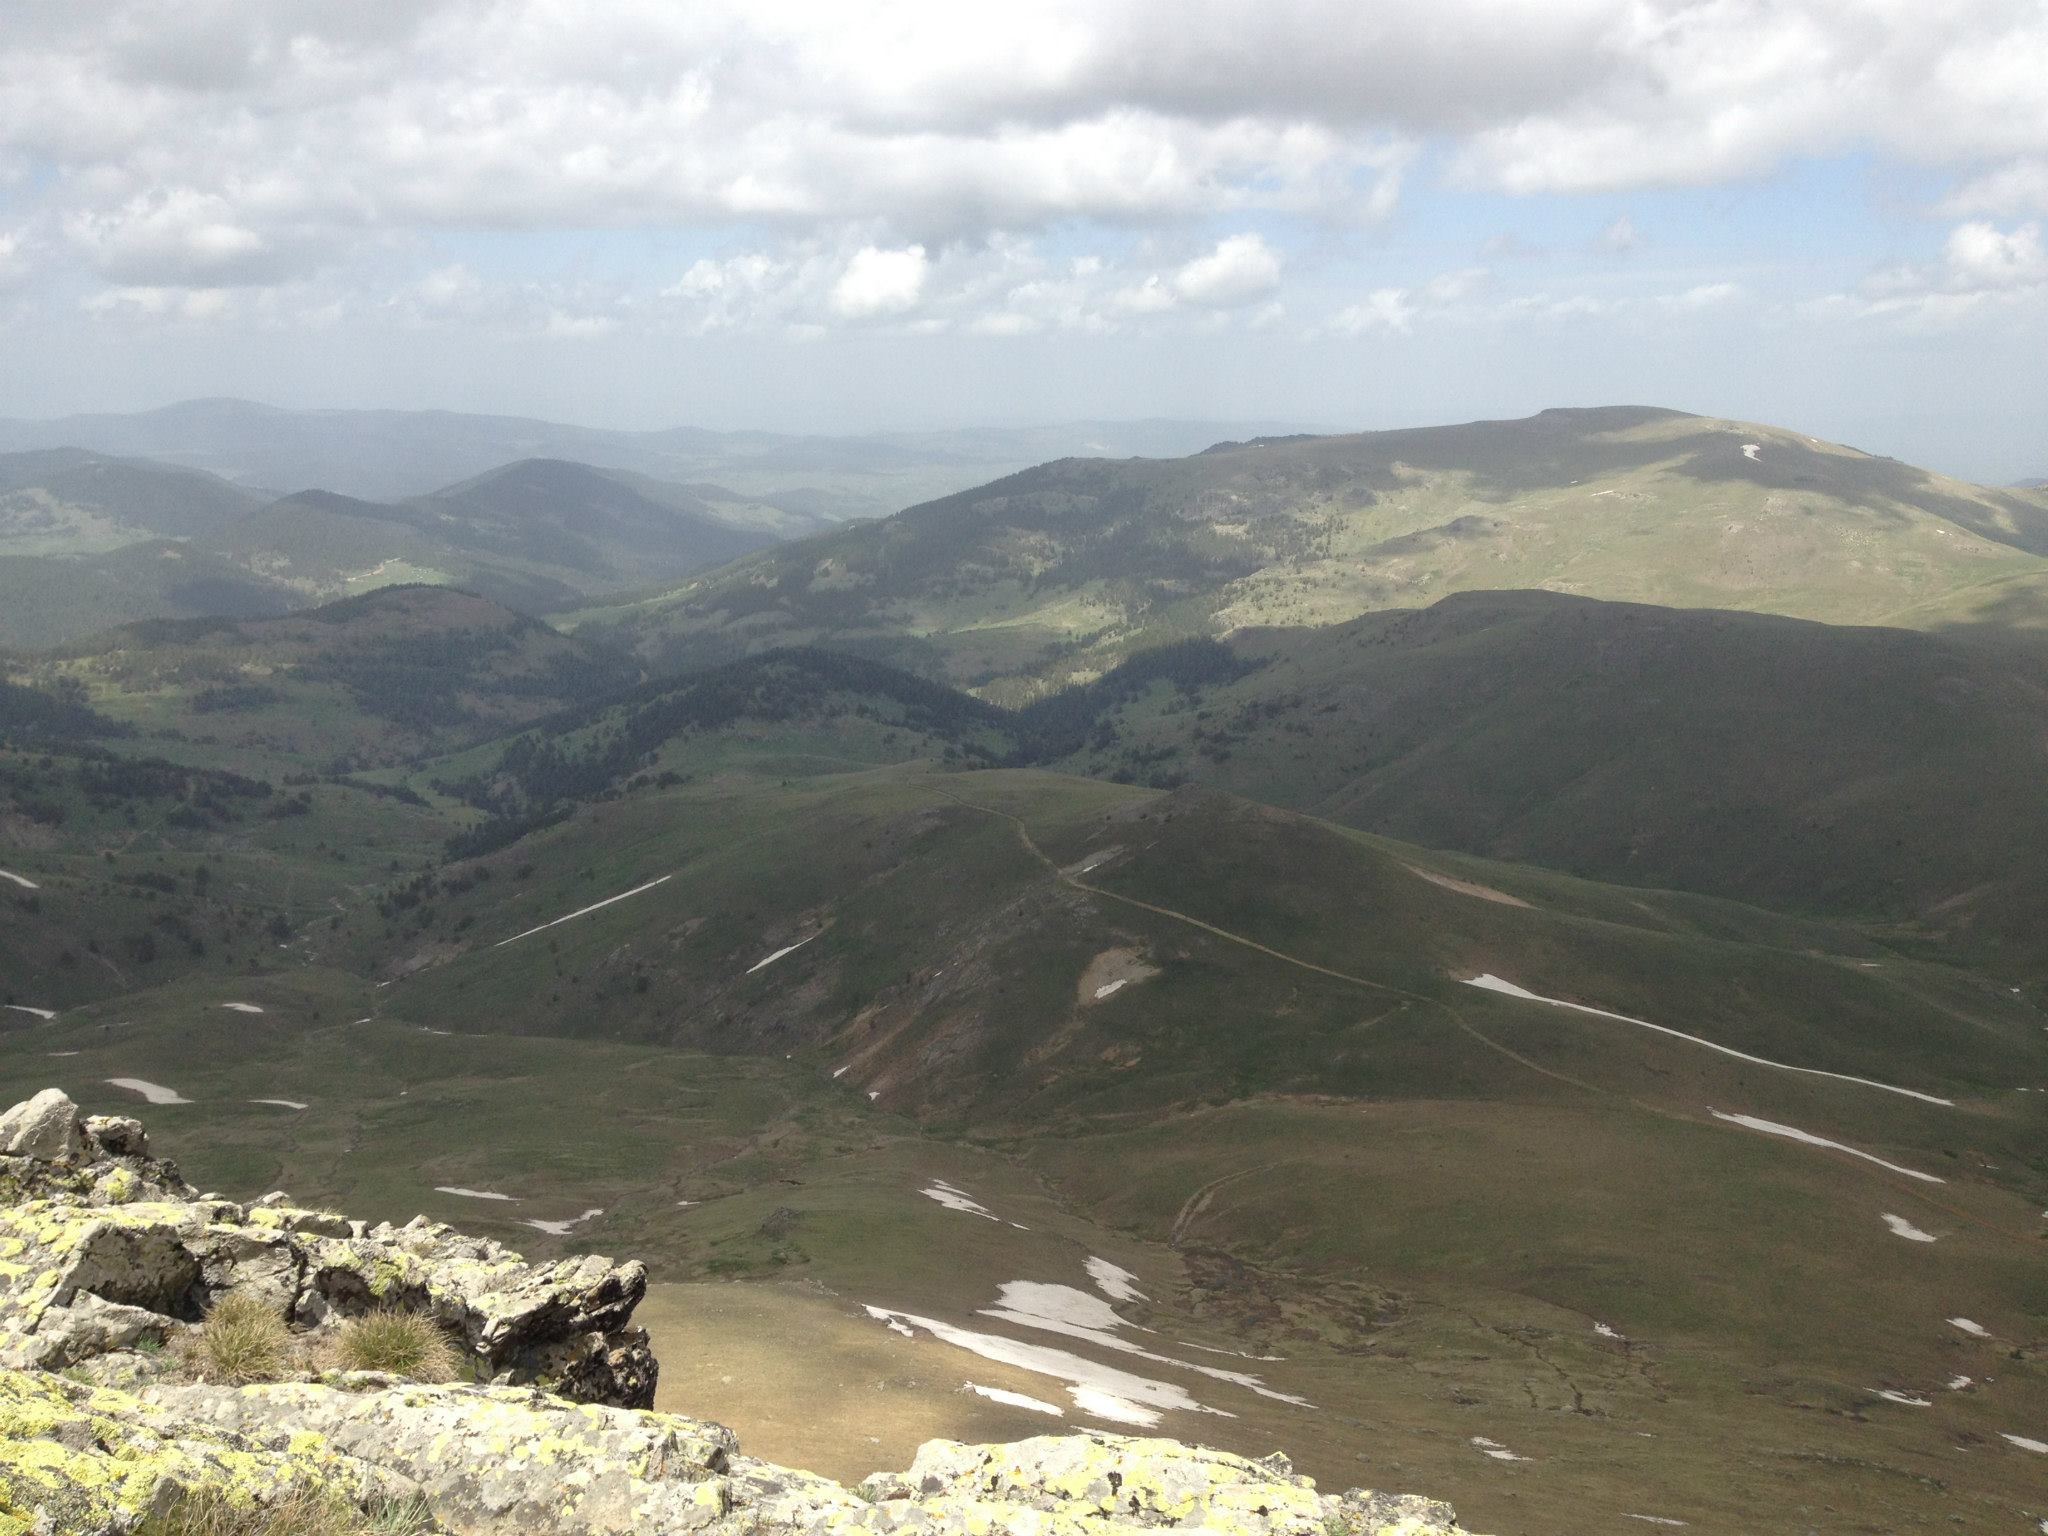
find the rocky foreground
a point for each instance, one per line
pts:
(110, 1262)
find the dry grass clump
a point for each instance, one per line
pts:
(406, 1344)
(242, 1340)
(206, 1512)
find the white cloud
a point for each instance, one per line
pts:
(1240, 269)
(879, 282)
(1384, 309)
(1619, 237)
(1980, 255)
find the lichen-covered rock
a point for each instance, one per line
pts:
(1107, 1482)
(494, 1461)
(85, 1461)
(44, 1128)
(96, 1216)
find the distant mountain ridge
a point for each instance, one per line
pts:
(1054, 574)
(87, 542)
(386, 455)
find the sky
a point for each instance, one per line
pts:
(1820, 214)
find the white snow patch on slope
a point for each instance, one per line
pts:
(156, 1093)
(1235, 1354)
(1493, 983)
(1607, 1332)
(1772, 1128)
(2040, 1446)
(1905, 1398)
(282, 1103)
(563, 1228)
(1112, 988)
(583, 911)
(787, 949)
(839, 1072)
(1117, 1284)
(1075, 1314)
(1753, 451)
(242, 1007)
(1957, 1383)
(1974, 1330)
(1495, 1449)
(63, 1053)
(1011, 1399)
(472, 1194)
(956, 1199)
(1653, 1519)
(1100, 1391)
(21, 880)
(45, 1014)
(1906, 1229)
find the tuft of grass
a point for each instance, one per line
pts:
(242, 1340)
(407, 1344)
(206, 1512)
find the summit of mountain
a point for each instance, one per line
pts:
(1056, 573)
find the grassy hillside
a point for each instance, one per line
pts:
(372, 680)
(1062, 570)
(1292, 1123)
(1880, 772)
(66, 501)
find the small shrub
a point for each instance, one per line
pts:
(405, 1344)
(242, 1340)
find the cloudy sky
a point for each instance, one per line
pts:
(1826, 214)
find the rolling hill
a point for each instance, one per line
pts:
(1059, 572)
(394, 455)
(87, 543)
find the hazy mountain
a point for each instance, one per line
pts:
(88, 542)
(391, 455)
(1059, 571)
(70, 501)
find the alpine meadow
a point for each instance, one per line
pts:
(901, 771)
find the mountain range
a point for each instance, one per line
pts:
(1511, 952)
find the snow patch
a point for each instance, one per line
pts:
(55, 1054)
(562, 1228)
(1905, 1398)
(1906, 1229)
(787, 949)
(956, 1199)
(45, 1014)
(1117, 1284)
(1606, 1332)
(2038, 1446)
(1495, 1449)
(156, 1093)
(1012, 1399)
(1957, 1383)
(1098, 1404)
(1772, 1128)
(1235, 1354)
(242, 1007)
(839, 1072)
(282, 1103)
(1653, 1519)
(1752, 451)
(472, 1194)
(21, 880)
(1974, 1330)
(1493, 983)
(580, 912)
(1100, 1391)
(1114, 987)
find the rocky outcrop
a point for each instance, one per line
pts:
(86, 1280)
(103, 1247)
